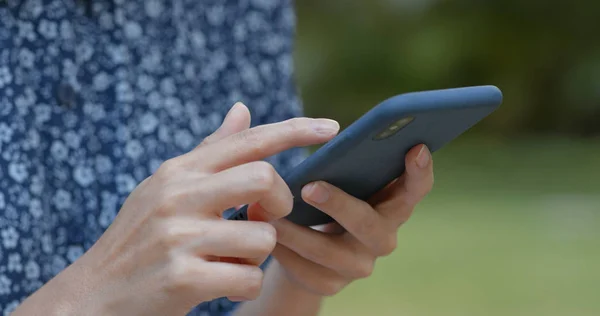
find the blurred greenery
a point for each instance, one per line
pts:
(511, 225)
(544, 55)
(507, 230)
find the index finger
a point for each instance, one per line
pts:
(236, 120)
(263, 141)
(397, 201)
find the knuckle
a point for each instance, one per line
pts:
(298, 128)
(297, 125)
(251, 139)
(430, 183)
(321, 253)
(364, 268)
(289, 203)
(178, 276)
(330, 287)
(169, 237)
(253, 284)
(387, 246)
(264, 236)
(263, 175)
(168, 168)
(367, 225)
(270, 237)
(423, 189)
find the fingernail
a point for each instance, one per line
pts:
(423, 157)
(326, 126)
(317, 192)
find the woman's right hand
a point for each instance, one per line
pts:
(169, 248)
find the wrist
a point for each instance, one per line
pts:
(287, 284)
(281, 296)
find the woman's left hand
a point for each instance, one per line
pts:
(325, 261)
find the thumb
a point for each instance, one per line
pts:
(236, 120)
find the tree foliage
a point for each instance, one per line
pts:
(544, 55)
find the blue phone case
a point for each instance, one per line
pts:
(361, 165)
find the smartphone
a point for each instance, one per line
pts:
(369, 154)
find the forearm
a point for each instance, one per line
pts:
(60, 296)
(281, 297)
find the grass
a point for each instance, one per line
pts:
(511, 228)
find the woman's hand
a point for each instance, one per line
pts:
(323, 262)
(169, 248)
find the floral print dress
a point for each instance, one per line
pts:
(94, 97)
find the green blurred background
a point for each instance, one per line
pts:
(512, 225)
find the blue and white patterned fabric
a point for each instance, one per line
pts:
(94, 97)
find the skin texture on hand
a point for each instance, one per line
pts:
(312, 263)
(169, 248)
